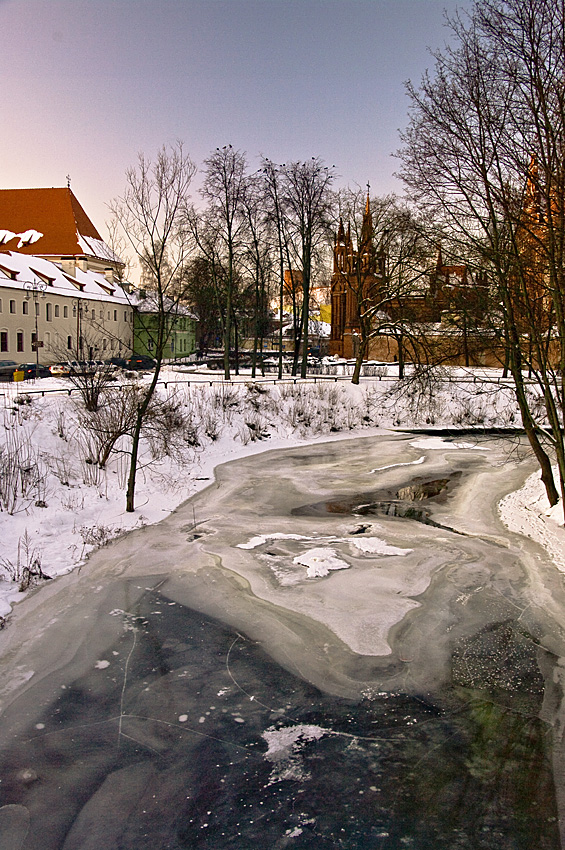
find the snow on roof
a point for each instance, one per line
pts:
(147, 303)
(56, 214)
(97, 248)
(28, 237)
(17, 269)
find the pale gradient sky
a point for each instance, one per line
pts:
(87, 84)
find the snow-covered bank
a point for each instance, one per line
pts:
(66, 505)
(527, 511)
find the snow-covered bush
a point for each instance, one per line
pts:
(26, 569)
(22, 470)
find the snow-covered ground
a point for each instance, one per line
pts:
(57, 505)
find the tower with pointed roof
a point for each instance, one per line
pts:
(354, 267)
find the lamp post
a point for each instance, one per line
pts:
(34, 287)
(78, 309)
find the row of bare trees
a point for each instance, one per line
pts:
(224, 257)
(483, 160)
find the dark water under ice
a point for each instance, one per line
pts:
(164, 744)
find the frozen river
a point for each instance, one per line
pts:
(334, 646)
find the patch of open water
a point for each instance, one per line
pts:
(185, 735)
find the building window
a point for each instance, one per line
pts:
(37, 308)
(25, 308)
(12, 306)
(125, 315)
(0, 305)
(104, 344)
(48, 312)
(115, 315)
(34, 341)
(101, 313)
(56, 311)
(20, 341)
(3, 340)
(65, 312)
(69, 341)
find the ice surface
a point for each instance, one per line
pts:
(376, 546)
(396, 627)
(320, 561)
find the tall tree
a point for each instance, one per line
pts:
(274, 205)
(225, 188)
(258, 262)
(151, 215)
(200, 284)
(308, 208)
(484, 154)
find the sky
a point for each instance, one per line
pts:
(89, 84)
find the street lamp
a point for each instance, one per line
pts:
(34, 287)
(78, 309)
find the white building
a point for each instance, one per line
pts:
(80, 315)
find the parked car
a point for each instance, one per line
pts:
(33, 370)
(77, 367)
(140, 361)
(60, 369)
(82, 367)
(118, 362)
(7, 369)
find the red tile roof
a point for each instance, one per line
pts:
(54, 212)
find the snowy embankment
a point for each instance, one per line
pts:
(58, 504)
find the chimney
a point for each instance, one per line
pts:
(109, 275)
(68, 264)
(82, 264)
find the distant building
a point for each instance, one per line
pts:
(448, 309)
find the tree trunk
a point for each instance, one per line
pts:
(359, 361)
(130, 493)
(400, 346)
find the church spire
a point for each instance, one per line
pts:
(367, 228)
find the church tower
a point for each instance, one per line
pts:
(355, 275)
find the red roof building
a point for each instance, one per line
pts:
(51, 223)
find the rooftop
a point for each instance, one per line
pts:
(54, 223)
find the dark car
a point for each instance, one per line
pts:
(140, 361)
(33, 370)
(118, 362)
(7, 369)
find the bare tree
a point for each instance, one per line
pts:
(273, 198)
(483, 154)
(151, 214)
(308, 209)
(257, 259)
(225, 187)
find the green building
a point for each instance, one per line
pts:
(180, 323)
